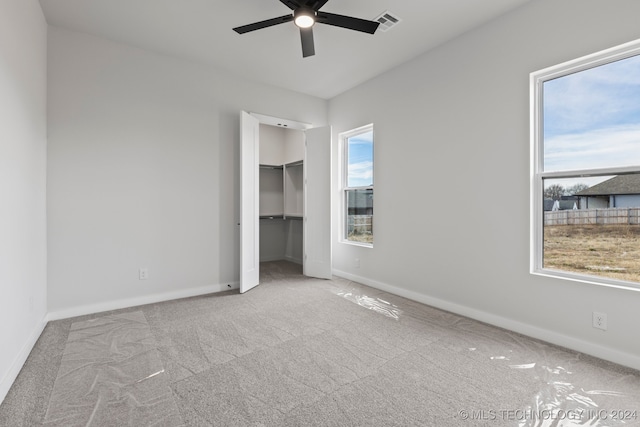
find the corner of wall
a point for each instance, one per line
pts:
(20, 359)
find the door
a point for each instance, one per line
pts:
(317, 203)
(249, 202)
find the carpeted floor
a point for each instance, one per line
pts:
(297, 351)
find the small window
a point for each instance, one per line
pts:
(358, 185)
(585, 122)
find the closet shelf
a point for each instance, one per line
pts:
(280, 216)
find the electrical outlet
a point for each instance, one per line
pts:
(600, 320)
(143, 273)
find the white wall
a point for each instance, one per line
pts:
(280, 145)
(143, 172)
(294, 146)
(272, 147)
(23, 145)
(452, 153)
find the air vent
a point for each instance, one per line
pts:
(387, 20)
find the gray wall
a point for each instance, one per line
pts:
(23, 145)
(143, 172)
(457, 123)
(626, 201)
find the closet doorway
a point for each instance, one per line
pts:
(285, 175)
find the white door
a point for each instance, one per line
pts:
(249, 202)
(317, 203)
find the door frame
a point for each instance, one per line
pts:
(249, 274)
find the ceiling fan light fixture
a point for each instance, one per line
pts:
(304, 18)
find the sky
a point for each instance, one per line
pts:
(592, 119)
(360, 160)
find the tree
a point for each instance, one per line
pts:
(554, 191)
(576, 189)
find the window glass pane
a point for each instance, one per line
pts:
(592, 118)
(592, 226)
(360, 160)
(359, 215)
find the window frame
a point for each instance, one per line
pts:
(344, 188)
(538, 175)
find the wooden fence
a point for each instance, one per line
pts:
(630, 216)
(360, 224)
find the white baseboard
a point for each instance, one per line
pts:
(21, 358)
(292, 259)
(270, 258)
(279, 258)
(143, 300)
(586, 347)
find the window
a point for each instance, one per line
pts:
(585, 169)
(357, 185)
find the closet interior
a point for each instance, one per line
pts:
(281, 153)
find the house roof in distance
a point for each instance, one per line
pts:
(618, 185)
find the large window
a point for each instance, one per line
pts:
(358, 185)
(585, 123)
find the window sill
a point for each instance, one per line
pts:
(592, 280)
(352, 243)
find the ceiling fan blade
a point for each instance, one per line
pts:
(349, 22)
(291, 4)
(263, 24)
(306, 36)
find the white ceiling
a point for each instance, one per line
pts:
(201, 30)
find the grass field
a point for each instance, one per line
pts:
(361, 237)
(598, 250)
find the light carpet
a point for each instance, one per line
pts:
(297, 351)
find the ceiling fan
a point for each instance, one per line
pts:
(305, 14)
